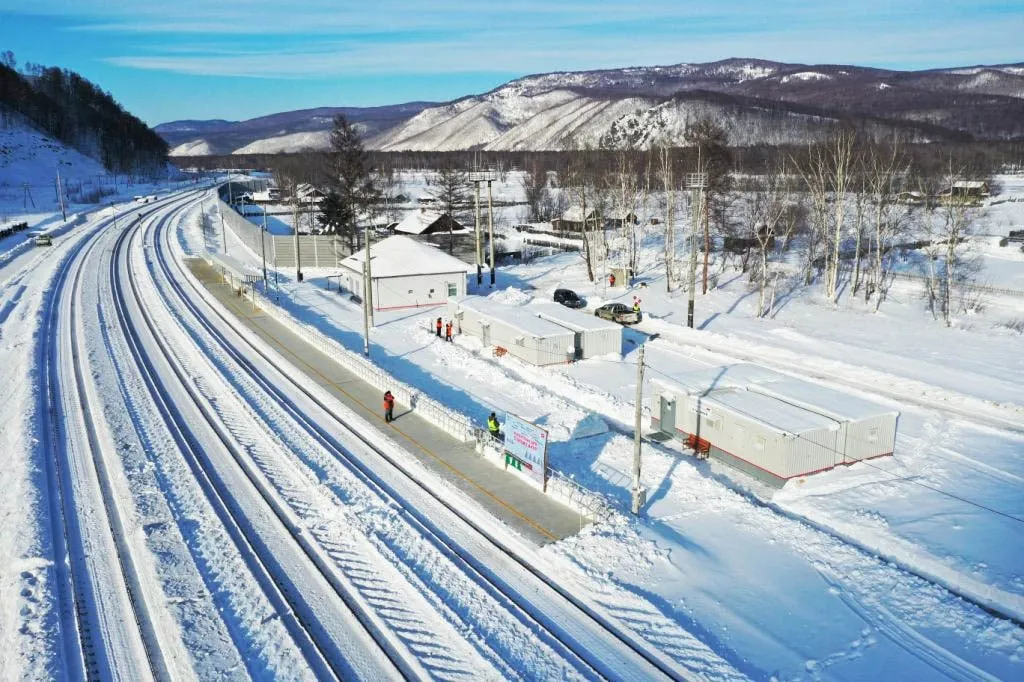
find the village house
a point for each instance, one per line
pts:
(405, 273)
(306, 193)
(428, 221)
(573, 219)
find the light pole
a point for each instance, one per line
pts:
(639, 493)
(479, 251)
(490, 228)
(696, 182)
(263, 248)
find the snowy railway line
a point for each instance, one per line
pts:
(308, 622)
(582, 642)
(106, 626)
(213, 515)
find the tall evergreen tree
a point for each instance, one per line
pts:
(351, 187)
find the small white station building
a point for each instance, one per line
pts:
(405, 273)
(593, 336)
(770, 425)
(513, 329)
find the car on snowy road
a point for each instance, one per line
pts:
(569, 298)
(617, 312)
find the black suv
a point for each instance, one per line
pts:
(569, 298)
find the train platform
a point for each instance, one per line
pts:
(535, 516)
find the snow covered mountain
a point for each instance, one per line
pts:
(280, 131)
(759, 101)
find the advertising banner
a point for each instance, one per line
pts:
(526, 447)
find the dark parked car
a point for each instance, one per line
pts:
(617, 312)
(569, 298)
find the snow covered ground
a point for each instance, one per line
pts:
(863, 572)
(909, 567)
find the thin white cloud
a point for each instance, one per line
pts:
(511, 49)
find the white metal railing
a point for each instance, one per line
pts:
(586, 502)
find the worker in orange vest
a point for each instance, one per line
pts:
(389, 407)
(448, 331)
(437, 325)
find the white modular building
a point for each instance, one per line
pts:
(512, 329)
(772, 426)
(405, 273)
(593, 336)
(866, 429)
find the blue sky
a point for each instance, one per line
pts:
(204, 59)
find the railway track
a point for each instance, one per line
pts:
(94, 595)
(589, 632)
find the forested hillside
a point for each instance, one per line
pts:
(75, 111)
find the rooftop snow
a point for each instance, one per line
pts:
(398, 256)
(521, 318)
(770, 411)
(572, 318)
(754, 378)
(418, 221)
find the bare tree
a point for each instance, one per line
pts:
(828, 175)
(771, 212)
(450, 188)
(883, 166)
(666, 163)
(535, 187)
(582, 187)
(715, 160)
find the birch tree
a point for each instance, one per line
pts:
(668, 185)
(771, 212)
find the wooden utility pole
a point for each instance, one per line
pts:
(369, 277)
(298, 262)
(696, 182)
(60, 198)
(366, 301)
(639, 493)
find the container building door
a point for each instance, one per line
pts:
(668, 414)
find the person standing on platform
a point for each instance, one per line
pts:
(448, 331)
(493, 427)
(389, 407)
(437, 325)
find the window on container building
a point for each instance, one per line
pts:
(453, 289)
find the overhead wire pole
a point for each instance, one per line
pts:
(639, 493)
(60, 197)
(490, 228)
(696, 182)
(369, 278)
(263, 247)
(366, 300)
(298, 262)
(479, 250)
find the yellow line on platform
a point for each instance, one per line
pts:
(409, 438)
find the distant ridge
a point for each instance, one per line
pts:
(758, 101)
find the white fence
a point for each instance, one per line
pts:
(315, 251)
(584, 501)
